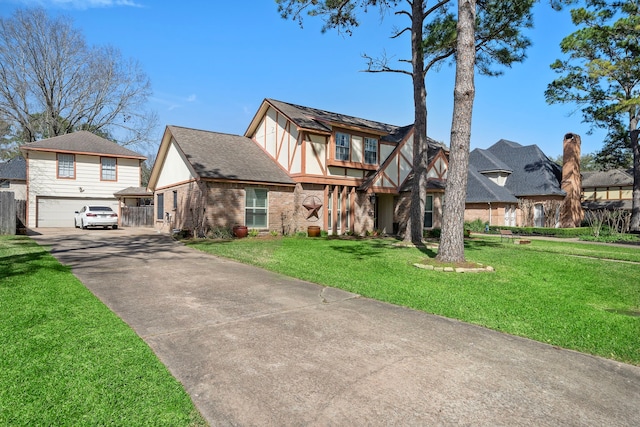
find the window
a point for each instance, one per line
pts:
(108, 169)
(175, 200)
(342, 146)
(4, 184)
(66, 166)
(371, 151)
(428, 212)
(255, 212)
(160, 207)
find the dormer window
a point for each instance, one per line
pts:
(342, 146)
(371, 151)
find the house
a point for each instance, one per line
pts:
(297, 166)
(355, 170)
(609, 190)
(294, 167)
(66, 172)
(514, 185)
(13, 177)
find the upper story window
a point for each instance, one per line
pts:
(108, 169)
(371, 151)
(4, 184)
(342, 146)
(66, 166)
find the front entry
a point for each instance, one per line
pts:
(384, 211)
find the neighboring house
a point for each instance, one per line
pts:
(69, 171)
(609, 190)
(514, 185)
(13, 177)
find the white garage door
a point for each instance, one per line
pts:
(55, 212)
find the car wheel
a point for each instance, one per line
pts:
(75, 224)
(84, 227)
(115, 227)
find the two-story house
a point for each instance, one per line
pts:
(66, 172)
(294, 167)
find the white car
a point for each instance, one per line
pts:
(96, 216)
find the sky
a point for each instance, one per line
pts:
(212, 63)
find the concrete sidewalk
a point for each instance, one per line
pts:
(256, 348)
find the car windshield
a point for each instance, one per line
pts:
(100, 208)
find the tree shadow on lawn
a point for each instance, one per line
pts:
(374, 248)
(477, 245)
(28, 264)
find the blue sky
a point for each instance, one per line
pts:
(211, 64)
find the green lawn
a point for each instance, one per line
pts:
(573, 295)
(66, 359)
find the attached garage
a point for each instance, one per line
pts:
(59, 212)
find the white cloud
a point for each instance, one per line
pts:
(191, 98)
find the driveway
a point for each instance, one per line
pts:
(256, 348)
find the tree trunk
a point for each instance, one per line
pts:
(452, 236)
(420, 145)
(635, 202)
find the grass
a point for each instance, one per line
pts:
(572, 295)
(66, 359)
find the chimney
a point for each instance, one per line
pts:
(571, 214)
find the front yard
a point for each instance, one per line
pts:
(66, 359)
(573, 295)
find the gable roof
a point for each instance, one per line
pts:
(610, 178)
(14, 169)
(82, 142)
(322, 121)
(213, 155)
(534, 174)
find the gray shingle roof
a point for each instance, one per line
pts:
(222, 156)
(82, 142)
(134, 192)
(320, 120)
(14, 169)
(611, 178)
(481, 189)
(485, 161)
(534, 174)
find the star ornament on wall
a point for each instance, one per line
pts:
(313, 206)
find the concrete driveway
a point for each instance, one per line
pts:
(256, 348)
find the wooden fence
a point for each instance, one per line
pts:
(12, 213)
(137, 216)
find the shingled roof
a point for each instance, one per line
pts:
(14, 169)
(216, 155)
(485, 161)
(480, 189)
(82, 142)
(534, 174)
(323, 121)
(610, 178)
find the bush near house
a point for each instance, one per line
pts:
(543, 231)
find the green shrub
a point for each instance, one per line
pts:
(253, 233)
(477, 225)
(542, 231)
(434, 233)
